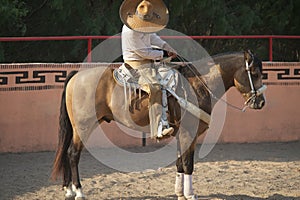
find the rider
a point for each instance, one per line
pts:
(142, 19)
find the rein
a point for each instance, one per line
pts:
(254, 92)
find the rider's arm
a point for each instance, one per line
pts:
(157, 41)
(137, 46)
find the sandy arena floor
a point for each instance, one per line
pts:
(230, 171)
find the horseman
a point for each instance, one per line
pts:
(142, 19)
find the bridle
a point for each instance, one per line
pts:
(253, 93)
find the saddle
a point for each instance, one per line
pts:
(128, 77)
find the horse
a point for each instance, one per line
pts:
(79, 102)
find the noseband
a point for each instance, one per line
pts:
(253, 93)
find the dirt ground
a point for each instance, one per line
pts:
(230, 171)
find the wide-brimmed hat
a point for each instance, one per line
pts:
(144, 15)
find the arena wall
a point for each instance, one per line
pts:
(30, 99)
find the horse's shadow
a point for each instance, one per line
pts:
(246, 197)
(212, 197)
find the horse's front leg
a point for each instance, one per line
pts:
(185, 168)
(183, 182)
(179, 181)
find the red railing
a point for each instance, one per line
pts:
(90, 38)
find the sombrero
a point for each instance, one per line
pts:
(146, 16)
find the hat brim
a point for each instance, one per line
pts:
(134, 22)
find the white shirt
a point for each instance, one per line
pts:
(139, 46)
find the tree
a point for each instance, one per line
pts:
(12, 14)
(101, 17)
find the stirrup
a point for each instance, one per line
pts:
(164, 130)
(168, 131)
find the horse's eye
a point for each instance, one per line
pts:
(255, 75)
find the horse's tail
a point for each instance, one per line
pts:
(65, 136)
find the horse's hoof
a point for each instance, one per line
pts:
(194, 197)
(80, 198)
(182, 198)
(70, 198)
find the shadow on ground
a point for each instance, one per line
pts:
(213, 197)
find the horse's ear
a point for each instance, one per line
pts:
(248, 55)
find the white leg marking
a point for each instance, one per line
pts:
(179, 184)
(188, 188)
(69, 192)
(78, 192)
(181, 198)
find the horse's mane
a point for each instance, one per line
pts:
(191, 73)
(203, 66)
(189, 70)
(236, 54)
(228, 54)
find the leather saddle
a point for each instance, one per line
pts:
(128, 77)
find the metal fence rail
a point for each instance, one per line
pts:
(89, 39)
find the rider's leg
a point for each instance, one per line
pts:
(155, 108)
(155, 113)
(151, 85)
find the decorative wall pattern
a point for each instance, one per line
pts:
(279, 73)
(24, 77)
(38, 76)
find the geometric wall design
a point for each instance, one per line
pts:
(24, 77)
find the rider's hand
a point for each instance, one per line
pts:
(172, 54)
(170, 51)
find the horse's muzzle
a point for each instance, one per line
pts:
(258, 103)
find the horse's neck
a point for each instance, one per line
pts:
(221, 76)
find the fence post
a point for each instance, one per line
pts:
(271, 48)
(89, 57)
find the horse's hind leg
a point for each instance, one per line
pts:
(71, 173)
(74, 153)
(67, 179)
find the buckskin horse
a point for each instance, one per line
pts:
(80, 104)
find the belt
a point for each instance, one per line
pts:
(138, 63)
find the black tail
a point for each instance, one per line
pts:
(65, 136)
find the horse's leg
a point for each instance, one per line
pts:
(183, 182)
(179, 181)
(185, 167)
(175, 114)
(67, 179)
(188, 167)
(74, 152)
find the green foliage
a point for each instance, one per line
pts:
(12, 15)
(101, 17)
(235, 17)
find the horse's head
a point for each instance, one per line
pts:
(248, 80)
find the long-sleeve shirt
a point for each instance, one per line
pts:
(138, 46)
